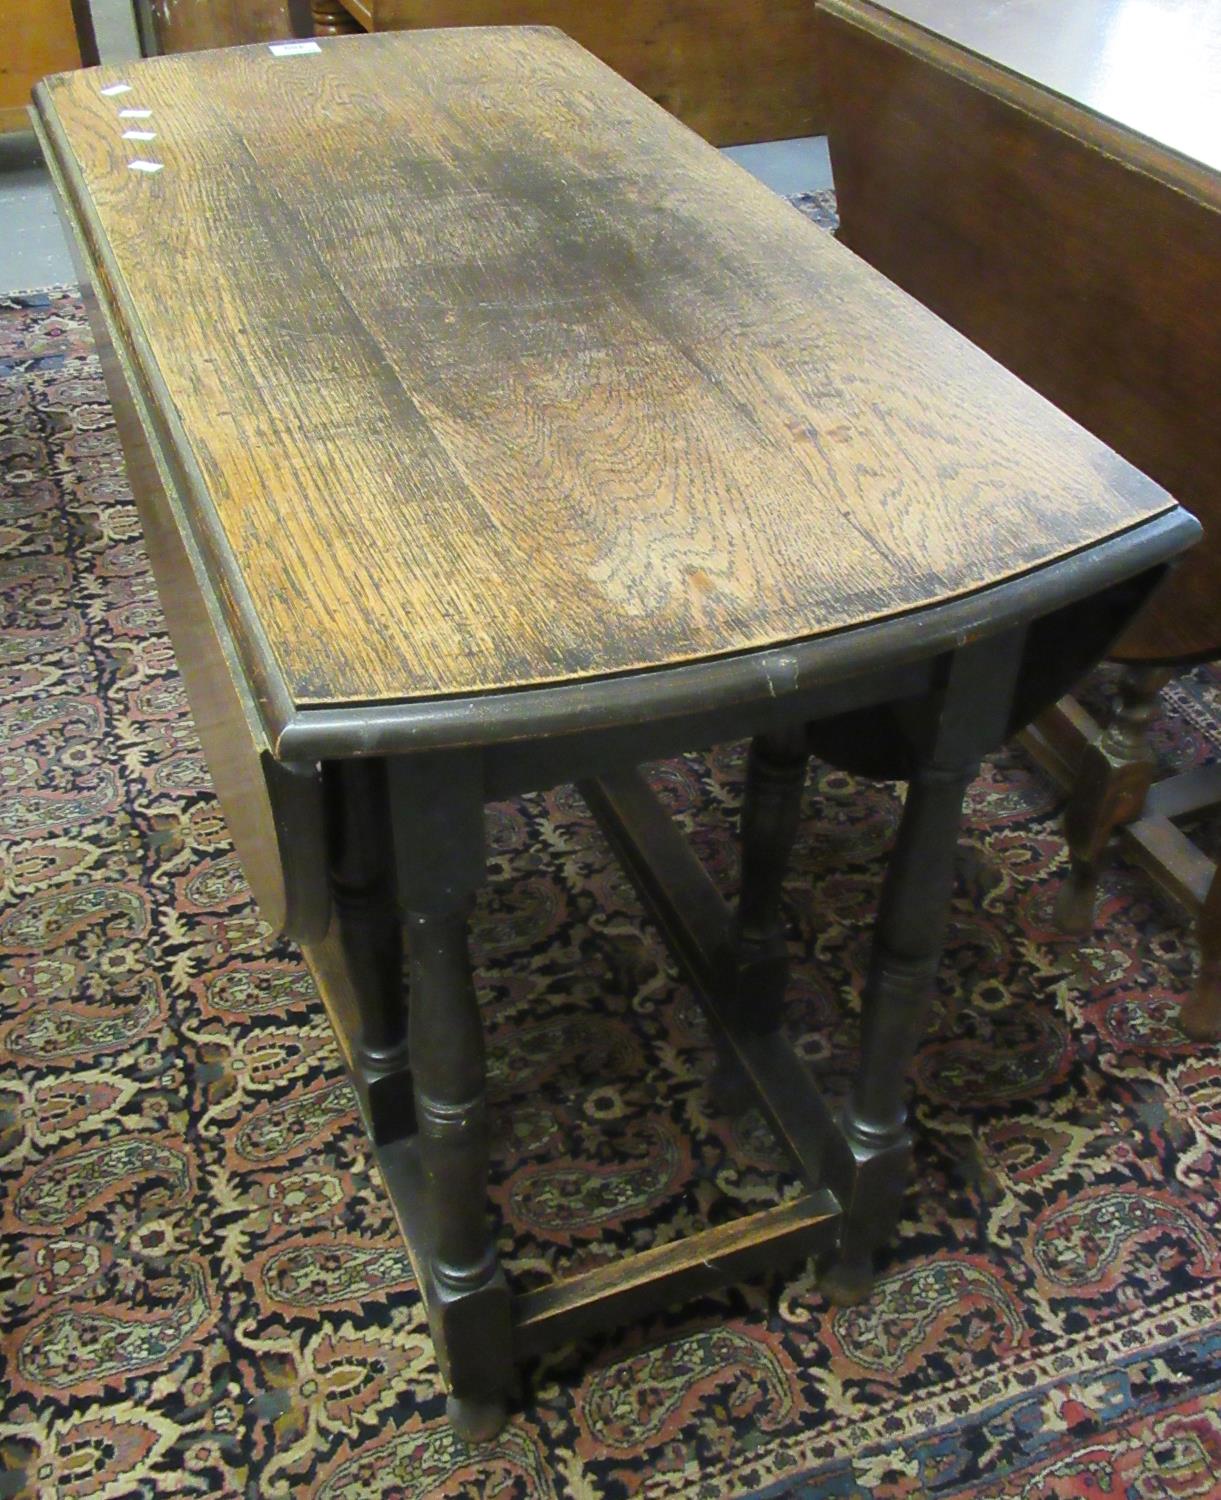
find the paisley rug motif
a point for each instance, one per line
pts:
(202, 1286)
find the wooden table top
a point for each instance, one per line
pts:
(1152, 67)
(490, 374)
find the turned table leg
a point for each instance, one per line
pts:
(945, 736)
(903, 968)
(364, 897)
(771, 816)
(437, 814)
(1112, 783)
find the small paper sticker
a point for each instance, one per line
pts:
(135, 114)
(292, 49)
(139, 135)
(115, 88)
(145, 166)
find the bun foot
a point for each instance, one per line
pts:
(476, 1419)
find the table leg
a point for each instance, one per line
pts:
(437, 814)
(1201, 1014)
(366, 908)
(903, 968)
(944, 737)
(1112, 783)
(771, 816)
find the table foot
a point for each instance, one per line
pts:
(846, 1282)
(1073, 911)
(1201, 1012)
(729, 1090)
(476, 1419)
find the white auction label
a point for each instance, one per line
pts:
(115, 88)
(292, 49)
(145, 166)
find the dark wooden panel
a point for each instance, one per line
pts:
(734, 70)
(533, 385)
(1082, 256)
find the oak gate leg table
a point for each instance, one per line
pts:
(490, 431)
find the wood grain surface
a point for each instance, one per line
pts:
(495, 375)
(734, 70)
(1080, 251)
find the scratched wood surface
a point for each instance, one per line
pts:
(496, 375)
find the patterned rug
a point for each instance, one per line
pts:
(202, 1287)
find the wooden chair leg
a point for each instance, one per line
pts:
(1112, 784)
(1201, 1013)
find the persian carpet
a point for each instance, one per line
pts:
(203, 1289)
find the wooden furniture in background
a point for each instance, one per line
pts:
(1046, 175)
(331, 19)
(1111, 773)
(734, 70)
(39, 37)
(531, 440)
(179, 27)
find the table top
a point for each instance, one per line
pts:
(1152, 67)
(485, 373)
